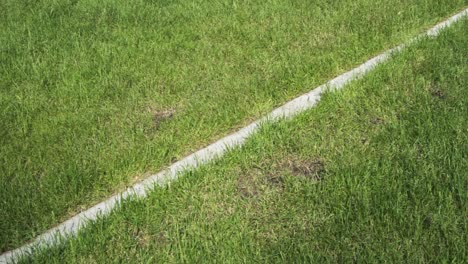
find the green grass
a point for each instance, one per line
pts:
(376, 172)
(94, 95)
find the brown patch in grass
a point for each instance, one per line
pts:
(312, 169)
(427, 222)
(158, 116)
(364, 141)
(247, 186)
(269, 176)
(258, 180)
(144, 238)
(435, 90)
(162, 116)
(162, 238)
(377, 121)
(438, 93)
(275, 180)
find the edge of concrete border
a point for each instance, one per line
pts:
(209, 153)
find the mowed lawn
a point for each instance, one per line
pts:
(375, 173)
(95, 95)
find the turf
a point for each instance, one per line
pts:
(95, 95)
(375, 173)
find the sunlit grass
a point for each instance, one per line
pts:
(375, 173)
(94, 95)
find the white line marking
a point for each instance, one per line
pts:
(141, 189)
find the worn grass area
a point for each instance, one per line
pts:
(374, 173)
(94, 95)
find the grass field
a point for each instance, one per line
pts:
(94, 95)
(376, 172)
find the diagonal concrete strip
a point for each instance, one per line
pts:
(217, 149)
